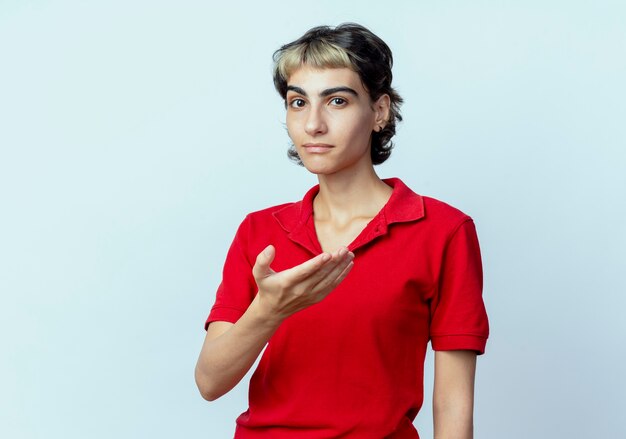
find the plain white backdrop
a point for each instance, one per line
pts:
(135, 136)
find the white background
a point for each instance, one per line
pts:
(135, 135)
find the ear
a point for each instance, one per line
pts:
(381, 111)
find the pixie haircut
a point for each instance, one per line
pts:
(351, 46)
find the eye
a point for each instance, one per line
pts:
(338, 101)
(297, 103)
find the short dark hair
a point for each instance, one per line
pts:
(352, 46)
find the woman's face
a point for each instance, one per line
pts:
(330, 119)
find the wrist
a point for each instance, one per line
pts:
(264, 316)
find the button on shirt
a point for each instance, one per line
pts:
(351, 366)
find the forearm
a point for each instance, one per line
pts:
(453, 395)
(453, 422)
(225, 359)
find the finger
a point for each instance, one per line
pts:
(261, 267)
(329, 278)
(308, 268)
(343, 274)
(327, 289)
(311, 278)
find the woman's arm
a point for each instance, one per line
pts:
(453, 396)
(229, 350)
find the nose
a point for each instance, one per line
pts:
(315, 123)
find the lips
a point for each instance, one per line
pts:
(317, 148)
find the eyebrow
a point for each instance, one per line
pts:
(324, 93)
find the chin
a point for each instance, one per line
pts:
(316, 166)
(318, 169)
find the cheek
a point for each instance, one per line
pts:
(360, 130)
(289, 126)
(292, 125)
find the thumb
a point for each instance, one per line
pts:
(263, 260)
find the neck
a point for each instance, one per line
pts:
(343, 197)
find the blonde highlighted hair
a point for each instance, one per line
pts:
(350, 46)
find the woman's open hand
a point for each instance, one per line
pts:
(284, 293)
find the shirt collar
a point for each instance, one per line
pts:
(404, 205)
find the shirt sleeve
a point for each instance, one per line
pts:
(458, 315)
(237, 288)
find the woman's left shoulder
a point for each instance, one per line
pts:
(434, 212)
(442, 211)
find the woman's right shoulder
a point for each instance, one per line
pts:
(269, 211)
(260, 225)
(265, 217)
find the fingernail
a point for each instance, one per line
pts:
(325, 257)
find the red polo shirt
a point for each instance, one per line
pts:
(352, 365)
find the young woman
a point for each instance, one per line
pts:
(347, 286)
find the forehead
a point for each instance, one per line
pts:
(313, 79)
